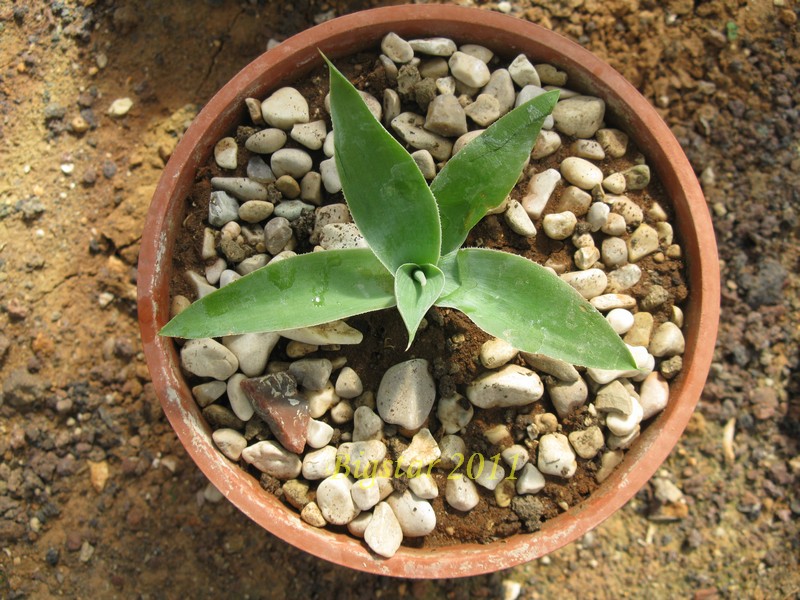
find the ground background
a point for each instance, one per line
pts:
(97, 497)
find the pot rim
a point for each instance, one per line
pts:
(507, 36)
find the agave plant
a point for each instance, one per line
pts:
(415, 260)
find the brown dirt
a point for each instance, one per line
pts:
(723, 74)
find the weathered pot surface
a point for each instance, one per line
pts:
(508, 37)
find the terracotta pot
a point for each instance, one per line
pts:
(508, 37)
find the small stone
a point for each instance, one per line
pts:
(241, 187)
(621, 320)
(348, 384)
(98, 475)
(484, 111)
(252, 350)
(451, 447)
(312, 515)
(259, 171)
(219, 416)
(291, 210)
(266, 141)
(586, 257)
(523, 72)
(615, 183)
(671, 367)
(254, 211)
(225, 153)
(597, 216)
(320, 464)
(559, 226)
(415, 515)
(644, 366)
(574, 200)
(496, 353)
(358, 526)
(406, 394)
(454, 413)
(284, 108)
(540, 188)
(530, 480)
(291, 161)
(311, 135)
(643, 241)
(446, 117)
(340, 236)
(461, 493)
(361, 458)
(567, 397)
(254, 110)
(366, 425)
(667, 341)
(637, 177)
(639, 334)
(296, 493)
(425, 163)
(469, 70)
(270, 458)
(608, 463)
(277, 234)
(438, 46)
(622, 425)
(366, 493)
(120, 107)
(222, 208)
(629, 210)
(490, 475)
(199, 283)
(424, 486)
(311, 188)
(588, 283)
(580, 116)
(588, 442)
(411, 129)
(581, 173)
(552, 366)
(311, 373)
(422, 451)
(335, 500)
(276, 400)
(510, 386)
(556, 456)
(501, 88)
(614, 252)
(335, 332)
(318, 433)
(623, 278)
(614, 398)
(208, 392)
(550, 75)
(588, 149)
(383, 534)
(342, 413)
(613, 141)
(240, 403)
(654, 298)
(653, 395)
(396, 48)
(208, 358)
(230, 442)
(433, 68)
(546, 144)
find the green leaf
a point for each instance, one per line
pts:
(387, 195)
(515, 299)
(305, 290)
(416, 289)
(482, 174)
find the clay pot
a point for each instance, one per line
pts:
(508, 37)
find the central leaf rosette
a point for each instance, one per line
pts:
(415, 260)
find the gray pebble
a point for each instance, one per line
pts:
(446, 117)
(259, 171)
(580, 116)
(291, 161)
(222, 208)
(396, 48)
(277, 233)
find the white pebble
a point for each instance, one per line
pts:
(284, 108)
(530, 480)
(319, 464)
(383, 534)
(454, 413)
(335, 501)
(318, 434)
(580, 172)
(667, 341)
(406, 394)
(620, 319)
(556, 456)
(511, 386)
(206, 357)
(415, 515)
(271, 458)
(230, 442)
(496, 352)
(653, 395)
(461, 493)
